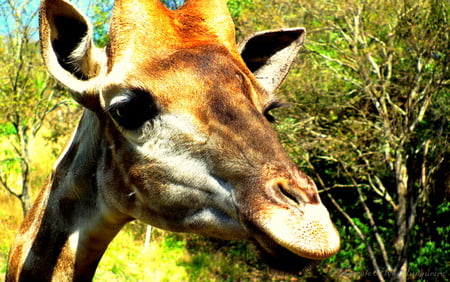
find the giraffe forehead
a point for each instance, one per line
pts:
(193, 78)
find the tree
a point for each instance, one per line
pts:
(382, 146)
(397, 71)
(369, 119)
(27, 96)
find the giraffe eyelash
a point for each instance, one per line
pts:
(133, 110)
(272, 106)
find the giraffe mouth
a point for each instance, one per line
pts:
(279, 258)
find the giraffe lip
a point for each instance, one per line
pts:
(307, 232)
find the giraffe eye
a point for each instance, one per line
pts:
(133, 109)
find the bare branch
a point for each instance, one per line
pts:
(352, 223)
(371, 221)
(326, 189)
(361, 236)
(4, 182)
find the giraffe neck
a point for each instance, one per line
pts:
(68, 228)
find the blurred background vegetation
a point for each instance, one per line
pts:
(368, 120)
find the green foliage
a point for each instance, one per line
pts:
(27, 96)
(351, 259)
(7, 129)
(179, 257)
(443, 209)
(432, 256)
(369, 98)
(237, 6)
(100, 14)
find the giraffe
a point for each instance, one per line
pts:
(175, 133)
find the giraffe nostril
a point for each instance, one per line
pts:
(284, 189)
(289, 192)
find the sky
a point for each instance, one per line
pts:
(29, 15)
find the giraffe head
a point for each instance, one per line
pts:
(181, 118)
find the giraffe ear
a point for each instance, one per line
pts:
(67, 46)
(270, 54)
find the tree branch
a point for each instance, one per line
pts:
(5, 185)
(371, 221)
(361, 236)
